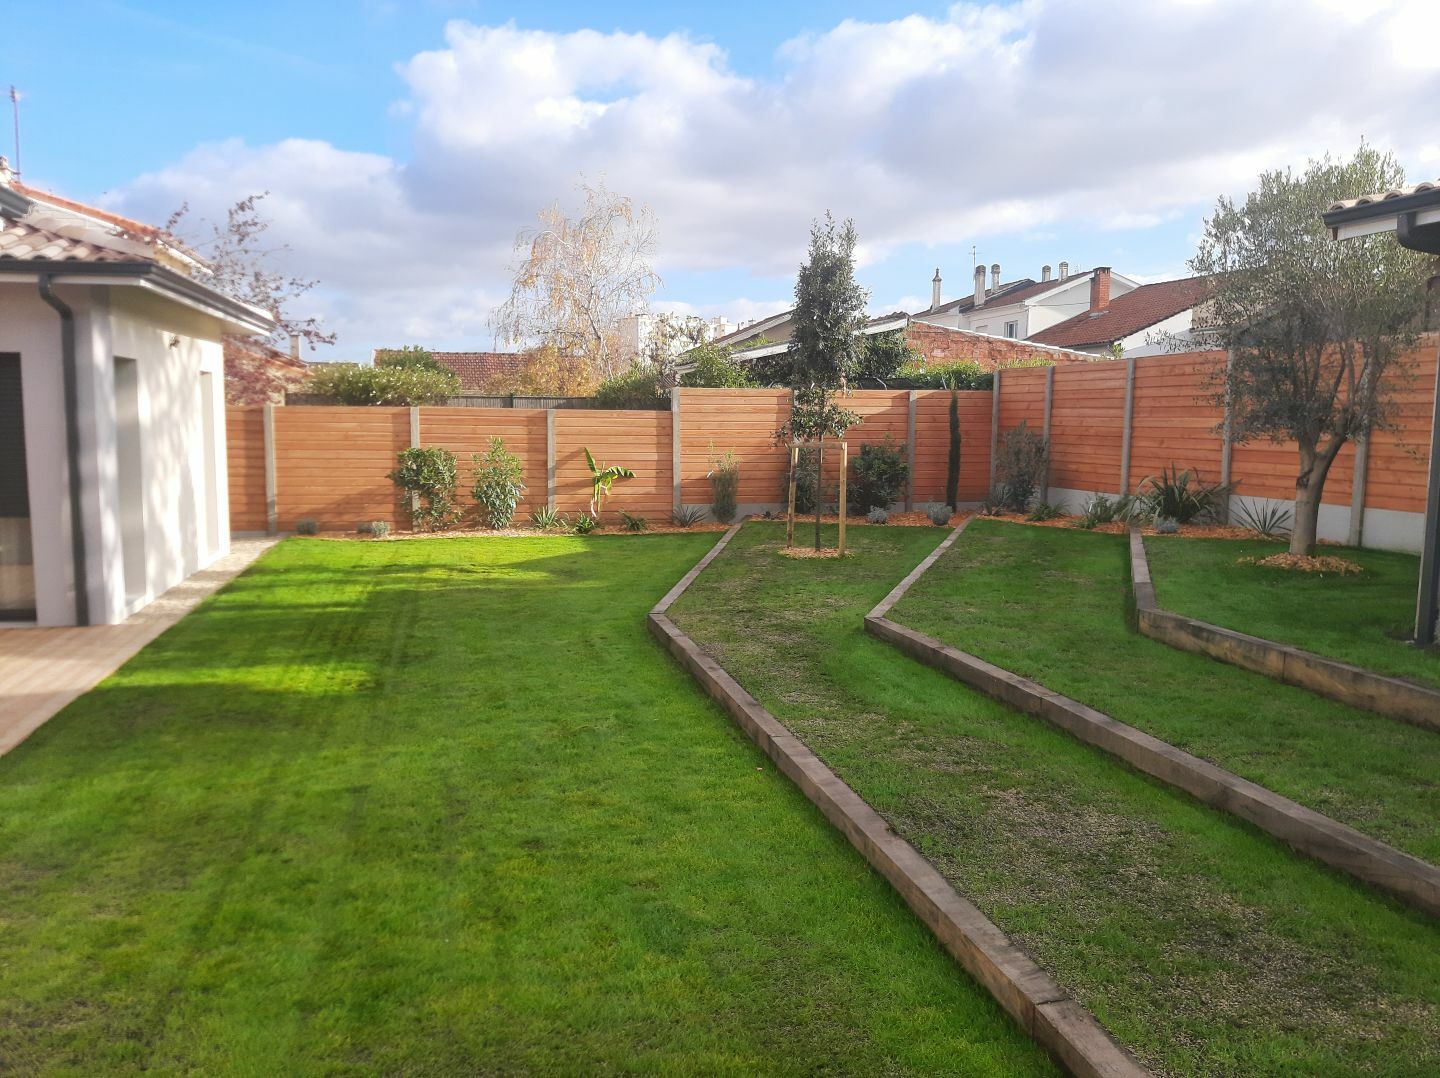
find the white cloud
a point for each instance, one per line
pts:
(940, 131)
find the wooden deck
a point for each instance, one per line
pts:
(42, 670)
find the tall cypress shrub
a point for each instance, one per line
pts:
(952, 467)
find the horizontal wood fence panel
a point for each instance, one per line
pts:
(331, 463)
(636, 440)
(245, 464)
(467, 431)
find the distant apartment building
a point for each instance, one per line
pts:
(638, 331)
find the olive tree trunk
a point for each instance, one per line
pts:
(1309, 486)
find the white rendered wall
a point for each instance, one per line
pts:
(171, 346)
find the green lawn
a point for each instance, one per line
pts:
(1363, 619)
(1053, 604)
(1206, 946)
(443, 807)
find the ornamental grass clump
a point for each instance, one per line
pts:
(1182, 495)
(724, 476)
(499, 484)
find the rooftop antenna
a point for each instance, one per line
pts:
(974, 258)
(15, 110)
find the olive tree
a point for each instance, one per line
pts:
(1313, 327)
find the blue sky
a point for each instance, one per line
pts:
(405, 143)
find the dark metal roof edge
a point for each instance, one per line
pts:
(1384, 207)
(13, 203)
(162, 275)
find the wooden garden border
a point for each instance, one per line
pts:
(1349, 684)
(1064, 1028)
(1407, 877)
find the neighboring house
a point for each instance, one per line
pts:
(936, 345)
(637, 331)
(1147, 320)
(112, 411)
(1021, 309)
(255, 373)
(484, 373)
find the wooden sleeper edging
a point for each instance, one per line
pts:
(1403, 875)
(1349, 684)
(1064, 1028)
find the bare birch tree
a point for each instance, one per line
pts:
(576, 279)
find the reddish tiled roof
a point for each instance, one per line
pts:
(477, 371)
(256, 373)
(1138, 309)
(135, 228)
(30, 243)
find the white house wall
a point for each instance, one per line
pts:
(172, 347)
(183, 530)
(1170, 335)
(31, 328)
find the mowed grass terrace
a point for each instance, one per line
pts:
(1204, 945)
(443, 806)
(1367, 619)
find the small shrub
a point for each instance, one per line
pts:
(410, 355)
(724, 476)
(347, 383)
(1043, 511)
(363, 528)
(1098, 510)
(1182, 495)
(715, 368)
(994, 504)
(546, 517)
(639, 387)
(687, 516)
(880, 475)
(379, 529)
(307, 526)
(584, 524)
(966, 374)
(430, 477)
(633, 523)
(499, 484)
(1266, 521)
(1019, 466)
(939, 515)
(878, 516)
(1166, 525)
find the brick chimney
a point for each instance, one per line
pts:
(979, 286)
(1100, 289)
(995, 277)
(935, 290)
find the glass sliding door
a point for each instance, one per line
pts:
(17, 569)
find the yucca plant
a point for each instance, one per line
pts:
(1269, 521)
(633, 523)
(1181, 495)
(687, 516)
(601, 480)
(547, 517)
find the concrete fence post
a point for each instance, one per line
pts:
(1357, 490)
(910, 454)
(1227, 435)
(550, 457)
(272, 516)
(414, 444)
(1129, 426)
(994, 430)
(675, 449)
(1049, 410)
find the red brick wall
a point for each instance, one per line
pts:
(940, 345)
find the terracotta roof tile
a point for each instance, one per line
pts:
(29, 243)
(1385, 196)
(477, 371)
(1129, 313)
